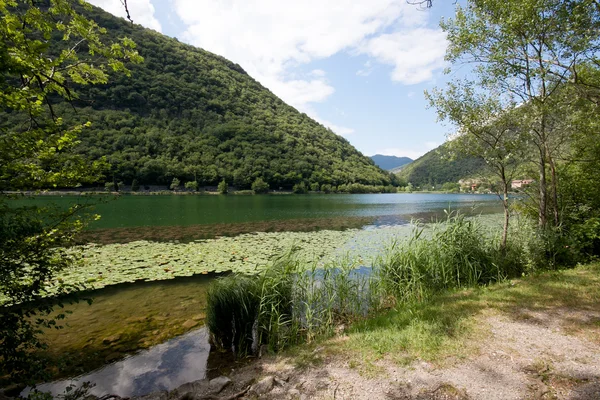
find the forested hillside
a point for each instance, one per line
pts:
(188, 114)
(390, 162)
(440, 166)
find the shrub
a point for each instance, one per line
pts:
(299, 188)
(109, 186)
(191, 185)
(223, 187)
(314, 187)
(175, 184)
(259, 186)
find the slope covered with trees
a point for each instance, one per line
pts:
(439, 166)
(390, 162)
(188, 114)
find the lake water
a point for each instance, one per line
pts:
(185, 210)
(125, 318)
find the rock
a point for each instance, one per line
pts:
(191, 390)
(293, 394)
(163, 395)
(263, 386)
(279, 381)
(217, 384)
(190, 323)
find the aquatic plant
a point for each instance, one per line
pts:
(458, 253)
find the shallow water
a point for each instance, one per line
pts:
(163, 367)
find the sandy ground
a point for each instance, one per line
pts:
(535, 355)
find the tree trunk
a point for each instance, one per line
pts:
(543, 190)
(506, 212)
(554, 189)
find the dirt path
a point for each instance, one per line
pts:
(552, 354)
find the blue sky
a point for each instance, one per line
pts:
(357, 66)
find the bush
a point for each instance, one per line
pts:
(299, 188)
(110, 186)
(259, 186)
(191, 185)
(175, 184)
(326, 188)
(314, 187)
(223, 187)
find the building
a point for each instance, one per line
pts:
(518, 184)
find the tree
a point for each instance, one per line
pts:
(39, 67)
(175, 183)
(192, 185)
(260, 186)
(485, 129)
(223, 187)
(526, 50)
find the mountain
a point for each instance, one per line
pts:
(390, 162)
(189, 114)
(440, 166)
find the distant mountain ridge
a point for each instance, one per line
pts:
(390, 162)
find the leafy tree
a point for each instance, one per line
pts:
(260, 186)
(192, 185)
(223, 187)
(485, 130)
(526, 50)
(37, 152)
(135, 185)
(299, 188)
(314, 186)
(175, 183)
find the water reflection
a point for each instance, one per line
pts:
(163, 367)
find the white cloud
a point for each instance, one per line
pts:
(366, 71)
(141, 11)
(415, 54)
(411, 152)
(268, 38)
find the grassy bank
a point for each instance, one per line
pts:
(451, 326)
(289, 303)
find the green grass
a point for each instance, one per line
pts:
(449, 325)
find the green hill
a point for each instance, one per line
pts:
(390, 163)
(193, 115)
(440, 166)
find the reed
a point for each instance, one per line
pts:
(291, 302)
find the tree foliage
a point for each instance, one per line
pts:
(36, 151)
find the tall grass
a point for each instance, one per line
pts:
(457, 253)
(291, 302)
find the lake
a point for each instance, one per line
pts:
(141, 320)
(187, 210)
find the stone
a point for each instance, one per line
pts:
(162, 395)
(217, 384)
(190, 323)
(191, 390)
(263, 386)
(293, 393)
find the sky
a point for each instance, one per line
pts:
(358, 67)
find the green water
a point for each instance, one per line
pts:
(165, 210)
(129, 317)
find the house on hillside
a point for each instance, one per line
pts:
(518, 184)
